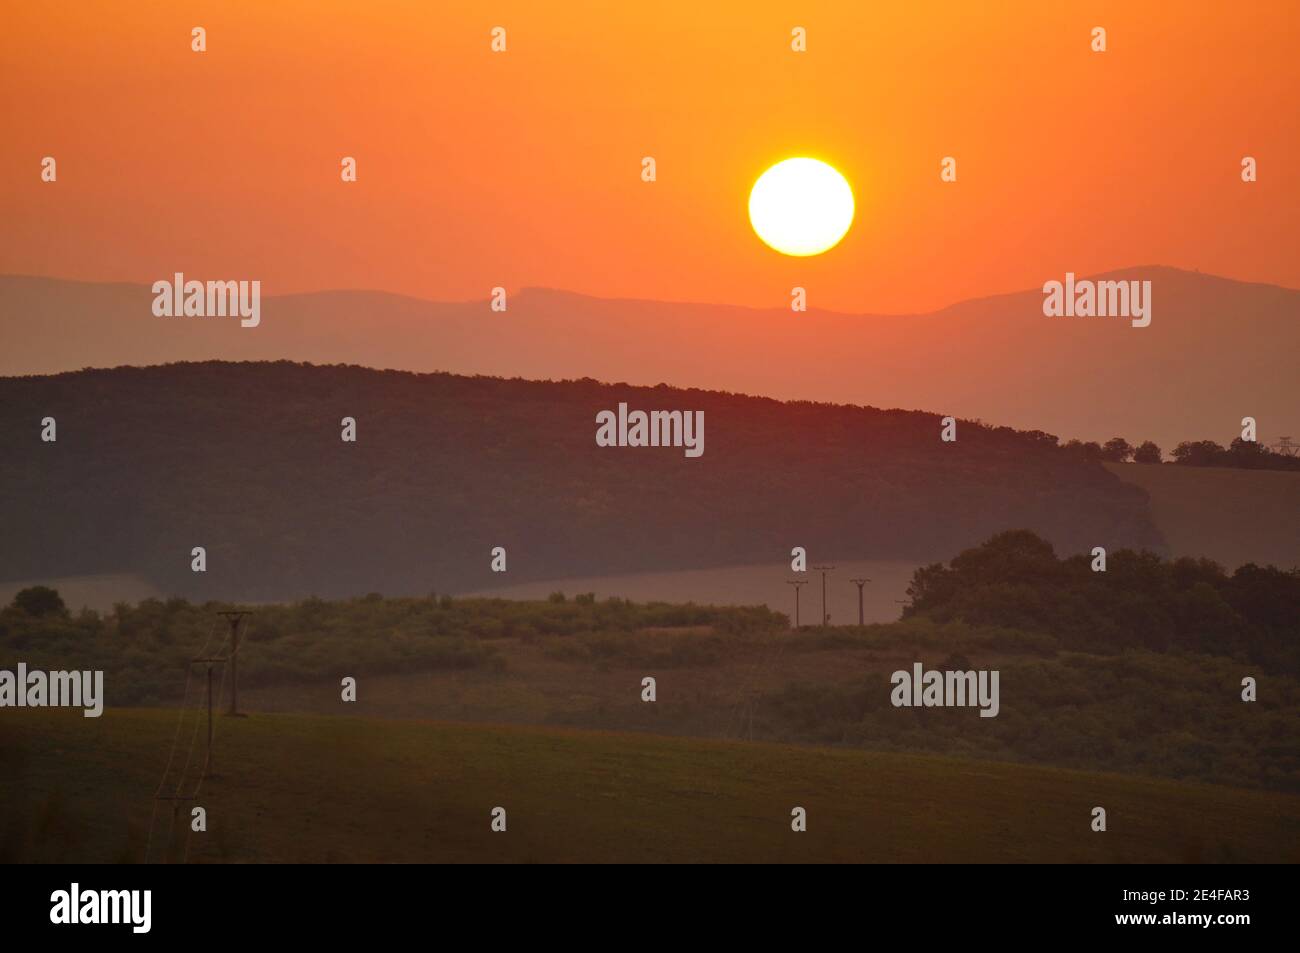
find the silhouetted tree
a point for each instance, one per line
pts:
(1041, 436)
(40, 601)
(1015, 581)
(1247, 453)
(1197, 453)
(1116, 450)
(1242, 454)
(1089, 451)
(1148, 452)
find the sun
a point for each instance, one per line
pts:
(801, 207)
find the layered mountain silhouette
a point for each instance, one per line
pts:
(1216, 350)
(246, 460)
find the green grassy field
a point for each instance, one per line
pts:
(313, 788)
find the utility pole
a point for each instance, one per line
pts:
(234, 617)
(796, 583)
(207, 761)
(823, 570)
(860, 583)
(176, 805)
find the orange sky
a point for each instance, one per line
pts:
(479, 169)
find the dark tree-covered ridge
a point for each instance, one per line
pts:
(246, 460)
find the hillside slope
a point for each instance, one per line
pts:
(296, 788)
(246, 460)
(1228, 515)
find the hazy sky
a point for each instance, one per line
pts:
(479, 169)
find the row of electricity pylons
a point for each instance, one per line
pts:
(234, 618)
(825, 615)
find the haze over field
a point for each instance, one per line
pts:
(1230, 516)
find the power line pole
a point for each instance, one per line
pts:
(860, 583)
(823, 570)
(207, 761)
(234, 617)
(176, 804)
(796, 583)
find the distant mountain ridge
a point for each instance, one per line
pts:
(1216, 350)
(246, 460)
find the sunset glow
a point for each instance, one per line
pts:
(521, 169)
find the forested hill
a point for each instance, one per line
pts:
(246, 460)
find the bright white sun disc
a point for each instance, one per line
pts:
(801, 207)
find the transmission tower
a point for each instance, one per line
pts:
(1285, 447)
